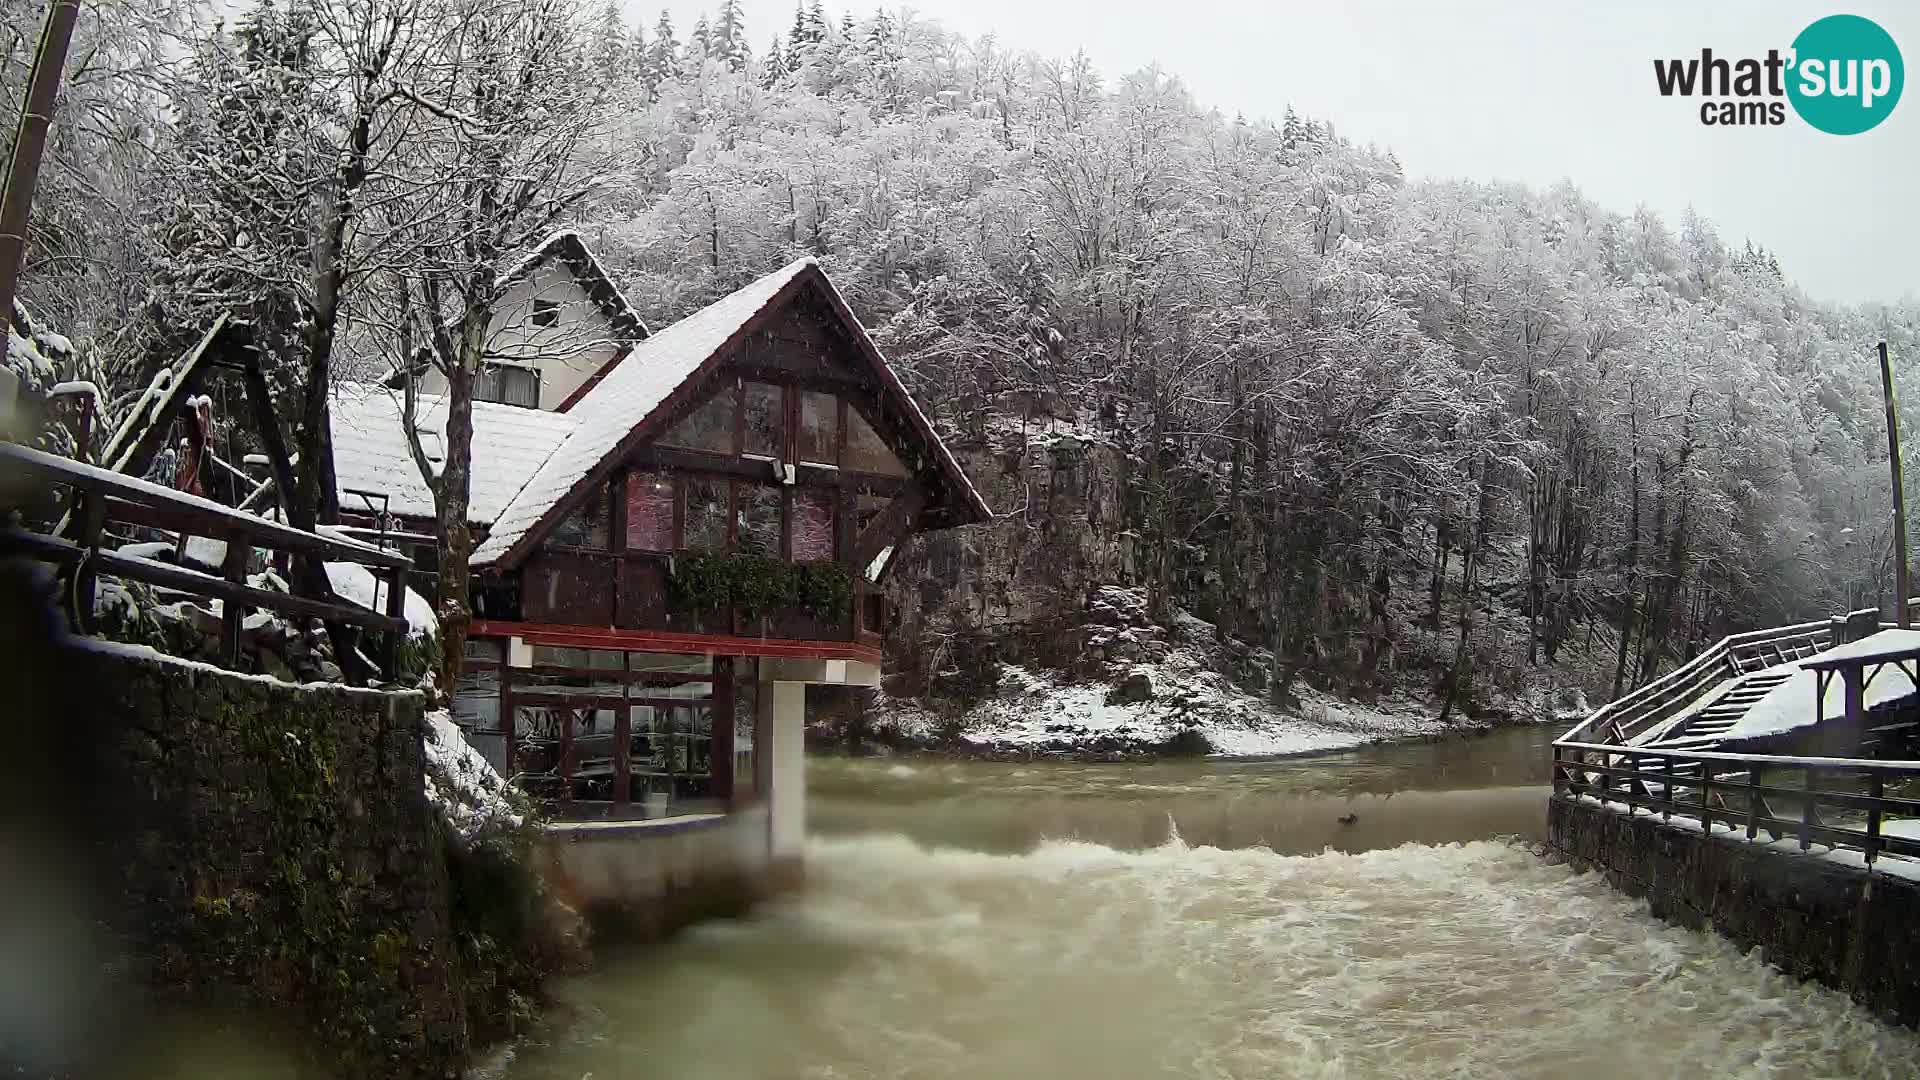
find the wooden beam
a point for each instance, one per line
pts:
(266, 424)
(143, 432)
(233, 613)
(54, 550)
(889, 526)
(141, 502)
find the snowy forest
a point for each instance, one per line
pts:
(1360, 421)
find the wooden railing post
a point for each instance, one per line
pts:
(232, 611)
(1809, 816)
(566, 754)
(1666, 808)
(1877, 789)
(623, 756)
(1753, 800)
(93, 519)
(396, 609)
(1706, 791)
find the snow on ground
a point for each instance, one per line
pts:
(1043, 712)
(461, 785)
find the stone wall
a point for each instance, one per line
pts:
(281, 865)
(1811, 918)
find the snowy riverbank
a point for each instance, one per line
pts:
(1168, 708)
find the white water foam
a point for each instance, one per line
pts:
(1079, 960)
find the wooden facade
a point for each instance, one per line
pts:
(748, 518)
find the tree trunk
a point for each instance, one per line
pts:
(1458, 675)
(453, 494)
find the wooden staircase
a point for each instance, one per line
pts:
(1706, 725)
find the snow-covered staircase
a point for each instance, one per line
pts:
(1721, 710)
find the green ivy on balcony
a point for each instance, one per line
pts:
(716, 580)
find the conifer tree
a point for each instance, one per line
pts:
(774, 70)
(729, 43)
(662, 57)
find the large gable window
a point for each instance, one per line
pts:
(706, 521)
(766, 421)
(812, 525)
(709, 427)
(650, 499)
(757, 524)
(866, 451)
(586, 527)
(819, 428)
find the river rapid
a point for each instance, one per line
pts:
(1379, 913)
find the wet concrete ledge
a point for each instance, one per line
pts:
(1839, 925)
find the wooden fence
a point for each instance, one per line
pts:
(101, 495)
(1844, 803)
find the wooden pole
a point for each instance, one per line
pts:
(1899, 494)
(30, 144)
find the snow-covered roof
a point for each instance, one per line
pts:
(1885, 645)
(625, 397)
(370, 449)
(527, 462)
(567, 247)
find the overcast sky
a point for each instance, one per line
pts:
(1527, 90)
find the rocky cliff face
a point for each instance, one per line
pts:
(1056, 589)
(1021, 590)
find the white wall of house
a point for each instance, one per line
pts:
(579, 343)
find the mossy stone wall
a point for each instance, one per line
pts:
(281, 861)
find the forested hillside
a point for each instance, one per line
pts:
(1376, 430)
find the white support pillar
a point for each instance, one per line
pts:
(787, 799)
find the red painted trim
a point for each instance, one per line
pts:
(600, 637)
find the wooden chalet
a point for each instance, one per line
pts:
(678, 545)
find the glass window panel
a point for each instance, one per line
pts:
(649, 512)
(812, 524)
(706, 524)
(556, 656)
(819, 428)
(710, 427)
(570, 686)
(484, 649)
(476, 700)
(766, 428)
(683, 663)
(758, 530)
(866, 451)
(586, 527)
(746, 688)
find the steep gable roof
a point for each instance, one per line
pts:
(568, 249)
(636, 395)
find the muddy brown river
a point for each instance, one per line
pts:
(1379, 913)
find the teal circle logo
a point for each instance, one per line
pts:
(1846, 75)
